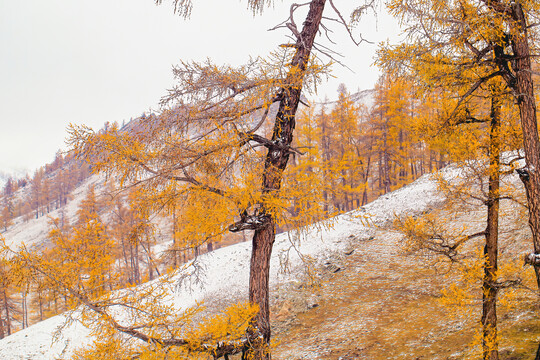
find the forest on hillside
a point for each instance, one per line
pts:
(240, 153)
(355, 152)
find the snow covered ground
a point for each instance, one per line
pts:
(34, 232)
(226, 270)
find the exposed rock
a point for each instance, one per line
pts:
(285, 311)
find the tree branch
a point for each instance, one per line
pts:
(463, 98)
(186, 178)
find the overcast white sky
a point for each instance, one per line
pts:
(93, 61)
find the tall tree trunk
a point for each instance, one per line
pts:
(40, 299)
(8, 315)
(175, 245)
(24, 311)
(275, 163)
(519, 78)
(259, 275)
(489, 288)
(529, 126)
(325, 154)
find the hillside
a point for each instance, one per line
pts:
(225, 270)
(34, 231)
(243, 220)
(343, 289)
(388, 303)
(369, 298)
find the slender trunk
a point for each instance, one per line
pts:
(345, 192)
(366, 182)
(55, 299)
(175, 245)
(489, 288)
(26, 291)
(132, 265)
(385, 157)
(8, 315)
(24, 311)
(402, 159)
(150, 262)
(387, 180)
(126, 260)
(40, 299)
(381, 176)
(325, 156)
(275, 163)
(135, 259)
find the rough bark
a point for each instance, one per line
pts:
(262, 243)
(275, 163)
(489, 288)
(527, 107)
(519, 78)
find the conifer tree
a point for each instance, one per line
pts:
(208, 142)
(7, 305)
(473, 42)
(447, 73)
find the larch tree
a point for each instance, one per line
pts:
(133, 233)
(348, 163)
(208, 144)
(456, 54)
(6, 302)
(497, 36)
(390, 120)
(476, 148)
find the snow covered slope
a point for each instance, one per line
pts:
(226, 270)
(34, 232)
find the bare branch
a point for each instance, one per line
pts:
(250, 222)
(347, 27)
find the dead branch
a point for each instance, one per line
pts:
(347, 27)
(250, 222)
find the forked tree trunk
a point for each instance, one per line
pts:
(489, 288)
(275, 163)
